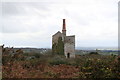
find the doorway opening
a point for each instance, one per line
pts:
(68, 55)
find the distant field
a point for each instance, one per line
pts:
(102, 52)
(47, 65)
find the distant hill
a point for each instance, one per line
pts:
(99, 48)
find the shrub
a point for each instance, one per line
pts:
(12, 57)
(58, 60)
(97, 68)
(6, 59)
(51, 74)
(93, 53)
(37, 55)
(34, 63)
(29, 56)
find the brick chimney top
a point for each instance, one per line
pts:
(64, 25)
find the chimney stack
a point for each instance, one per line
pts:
(64, 27)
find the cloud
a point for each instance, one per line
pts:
(33, 23)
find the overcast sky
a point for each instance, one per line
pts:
(31, 23)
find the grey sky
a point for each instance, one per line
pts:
(32, 23)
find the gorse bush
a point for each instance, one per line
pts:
(58, 60)
(95, 53)
(31, 63)
(6, 59)
(12, 57)
(97, 69)
(38, 55)
(48, 66)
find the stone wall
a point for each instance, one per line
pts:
(69, 46)
(70, 39)
(55, 37)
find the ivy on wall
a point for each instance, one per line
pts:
(58, 48)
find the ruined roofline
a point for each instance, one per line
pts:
(57, 33)
(71, 36)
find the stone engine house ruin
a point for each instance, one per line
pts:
(62, 44)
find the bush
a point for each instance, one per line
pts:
(12, 57)
(37, 55)
(97, 68)
(58, 60)
(6, 59)
(93, 53)
(34, 63)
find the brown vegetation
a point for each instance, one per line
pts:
(32, 65)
